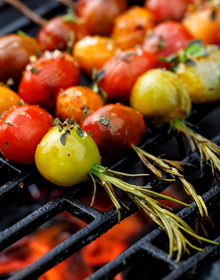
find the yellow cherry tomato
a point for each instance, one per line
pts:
(160, 96)
(66, 164)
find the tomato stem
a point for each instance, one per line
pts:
(145, 199)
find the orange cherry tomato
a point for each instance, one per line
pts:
(204, 24)
(164, 10)
(100, 14)
(167, 38)
(114, 128)
(15, 52)
(59, 33)
(130, 27)
(121, 72)
(75, 100)
(21, 130)
(93, 51)
(44, 78)
(9, 99)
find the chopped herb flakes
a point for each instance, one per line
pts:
(105, 121)
(34, 70)
(8, 123)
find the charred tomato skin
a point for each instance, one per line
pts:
(121, 72)
(125, 127)
(44, 78)
(72, 102)
(21, 130)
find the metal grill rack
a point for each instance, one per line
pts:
(147, 251)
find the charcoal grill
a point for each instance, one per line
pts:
(147, 252)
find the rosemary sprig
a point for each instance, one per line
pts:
(145, 199)
(173, 168)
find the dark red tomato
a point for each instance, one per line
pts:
(100, 14)
(122, 71)
(15, 52)
(59, 33)
(46, 77)
(21, 130)
(171, 9)
(167, 38)
(114, 128)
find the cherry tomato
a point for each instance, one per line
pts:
(100, 14)
(44, 78)
(202, 79)
(75, 100)
(9, 99)
(164, 10)
(92, 52)
(21, 130)
(121, 72)
(204, 24)
(160, 96)
(114, 128)
(167, 38)
(67, 164)
(15, 52)
(61, 33)
(131, 27)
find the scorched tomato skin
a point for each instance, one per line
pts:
(21, 130)
(126, 128)
(43, 79)
(122, 71)
(68, 164)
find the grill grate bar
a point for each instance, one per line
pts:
(128, 257)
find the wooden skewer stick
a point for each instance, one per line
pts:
(26, 11)
(69, 3)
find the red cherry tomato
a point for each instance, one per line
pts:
(172, 9)
(61, 34)
(167, 38)
(15, 52)
(114, 128)
(122, 71)
(21, 130)
(43, 79)
(100, 14)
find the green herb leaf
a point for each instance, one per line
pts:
(8, 123)
(196, 49)
(81, 133)
(64, 136)
(104, 120)
(20, 102)
(190, 62)
(34, 70)
(85, 111)
(22, 33)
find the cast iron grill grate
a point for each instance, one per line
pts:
(145, 250)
